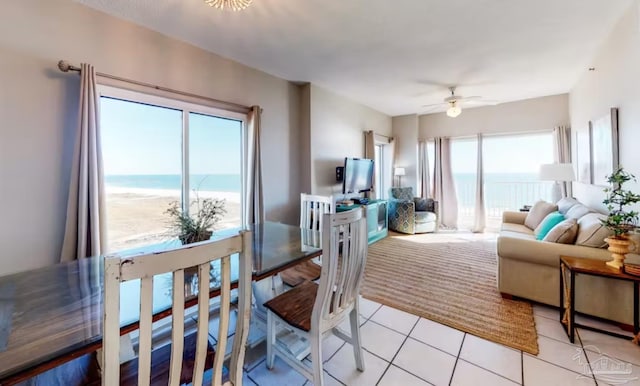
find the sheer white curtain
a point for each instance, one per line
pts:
(85, 230)
(424, 179)
(390, 155)
(562, 154)
(480, 216)
(253, 202)
(370, 152)
(444, 190)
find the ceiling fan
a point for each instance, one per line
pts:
(454, 102)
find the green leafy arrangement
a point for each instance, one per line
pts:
(619, 220)
(199, 226)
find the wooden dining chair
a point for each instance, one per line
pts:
(312, 211)
(168, 365)
(311, 310)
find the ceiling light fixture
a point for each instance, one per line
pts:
(234, 5)
(454, 110)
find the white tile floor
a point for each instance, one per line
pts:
(403, 349)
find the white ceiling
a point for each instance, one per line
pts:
(396, 56)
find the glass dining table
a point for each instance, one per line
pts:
(51, 315)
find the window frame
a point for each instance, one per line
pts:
(187, 107)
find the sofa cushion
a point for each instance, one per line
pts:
(564, 232)
(577, 211)
(591, 232)
(565, 204)
(517, 228)
(538, 212)
(425, 217)
(550, 220)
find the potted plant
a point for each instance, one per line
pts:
(197, 224)
(620, 220)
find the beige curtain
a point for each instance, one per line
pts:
(254, 206)
(480, 213)
(370, 152)
(562, 154)
(390, 160)
(444, 189)
(424, 179)
(85, 230)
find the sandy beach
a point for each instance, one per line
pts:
(136, 217)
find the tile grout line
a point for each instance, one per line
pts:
(522, 367)
(455, 364)
(406, 337)
(586, 356)
(489, 371)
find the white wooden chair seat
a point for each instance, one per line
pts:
(313, 310)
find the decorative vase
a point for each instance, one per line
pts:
(619, 246)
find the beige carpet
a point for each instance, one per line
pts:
(450, 280)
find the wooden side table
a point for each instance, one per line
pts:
(577, 265)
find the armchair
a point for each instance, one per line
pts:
(409, 214)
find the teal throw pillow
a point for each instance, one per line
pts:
(551, 220)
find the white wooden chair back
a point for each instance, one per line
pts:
(144, 267)
(313, 208)
(344, 241)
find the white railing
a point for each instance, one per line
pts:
(498, 197)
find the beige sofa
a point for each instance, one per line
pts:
(528, 268)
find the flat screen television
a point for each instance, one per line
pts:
(358, 175)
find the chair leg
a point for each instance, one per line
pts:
(316, 359)
(271, 339)
(355, 338)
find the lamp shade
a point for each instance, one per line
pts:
(398, 172)
(556, 172)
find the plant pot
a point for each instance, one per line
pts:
(195, 237)
(619, 246)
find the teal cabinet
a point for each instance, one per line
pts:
(377, 219)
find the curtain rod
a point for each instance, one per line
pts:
(65, 66)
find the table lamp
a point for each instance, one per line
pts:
(399, 172)
(557, 173)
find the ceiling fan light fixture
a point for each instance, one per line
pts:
(234, 5)
(454, 110)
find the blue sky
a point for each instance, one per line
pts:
(144, 139)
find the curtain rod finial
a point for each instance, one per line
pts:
(64, 66)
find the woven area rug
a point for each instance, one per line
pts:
(450, 281)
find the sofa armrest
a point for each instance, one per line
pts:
(402, 216)
(514, 217)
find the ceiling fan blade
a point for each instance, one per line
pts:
(482, 102)
(435, 105)
(471, 98)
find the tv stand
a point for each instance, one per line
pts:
(377, 219)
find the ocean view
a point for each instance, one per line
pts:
(200, 182)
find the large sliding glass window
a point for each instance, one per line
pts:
(464, 160)
(157, 151)
(511, 165)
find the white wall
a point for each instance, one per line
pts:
(405, 133)
(536, 114)
(38, 112)
(614, 83)
(337, 125)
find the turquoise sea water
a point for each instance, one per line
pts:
(201, 182)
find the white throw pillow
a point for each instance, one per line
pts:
(564, 232)
(591, 232)
(538, 212)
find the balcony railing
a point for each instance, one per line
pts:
(498, 197)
